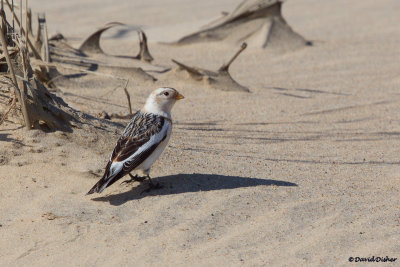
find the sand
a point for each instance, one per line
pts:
(302, 171)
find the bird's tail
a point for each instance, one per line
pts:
(107, 179)
(98, 187)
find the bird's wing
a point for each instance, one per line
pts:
(141, 137)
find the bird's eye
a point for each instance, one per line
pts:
(166, 93)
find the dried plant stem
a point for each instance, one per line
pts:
(26, 23)
(8, 111)
(7, 55)
(22, 85)
(128, 97)
(20, 95)
(225, 67)
(12, 11)
(20, 16)
(44, 38)
(29, 22)
(31, 46)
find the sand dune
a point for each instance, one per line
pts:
(256, 22)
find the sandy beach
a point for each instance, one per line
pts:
(302, 171)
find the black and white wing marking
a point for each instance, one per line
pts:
(141, 137)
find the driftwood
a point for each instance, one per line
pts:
(220, 79)
(257, 22)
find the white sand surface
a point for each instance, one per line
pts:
(302, 171)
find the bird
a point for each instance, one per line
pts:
(143, 140)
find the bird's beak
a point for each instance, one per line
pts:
(179, 96)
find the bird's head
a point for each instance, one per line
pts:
(161, 101)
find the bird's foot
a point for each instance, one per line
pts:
(135, 178)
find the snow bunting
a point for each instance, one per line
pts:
(142, 141)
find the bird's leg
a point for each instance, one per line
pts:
(135, 178)
(152, 186)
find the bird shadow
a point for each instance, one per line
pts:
(5, 138)
(186, 183)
